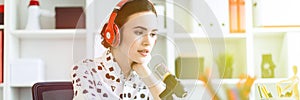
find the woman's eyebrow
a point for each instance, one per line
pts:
(154, 30)
(144, 28)
(141, 27)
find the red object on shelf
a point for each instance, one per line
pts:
(1, 14)
(2, 8)
(34, 3)
(1, 55)
(237, 16)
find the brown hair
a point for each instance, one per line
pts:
(129, 8)
(132, 7)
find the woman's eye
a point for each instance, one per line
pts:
(153, 34)
(138, 32)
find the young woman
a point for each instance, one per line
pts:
(122, 72)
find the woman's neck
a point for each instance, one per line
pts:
(123, 61)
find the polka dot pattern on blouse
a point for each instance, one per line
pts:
(102, 79)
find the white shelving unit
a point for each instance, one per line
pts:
(58, 48)
(182, 36)
(247, 48)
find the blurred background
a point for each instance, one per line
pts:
(214, 47)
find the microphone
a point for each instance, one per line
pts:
(173, 85)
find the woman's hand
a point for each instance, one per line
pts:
(141, 68)
(155, 86)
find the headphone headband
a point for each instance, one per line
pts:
(110, 31)
(120, 4)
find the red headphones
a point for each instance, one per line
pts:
(110, 31)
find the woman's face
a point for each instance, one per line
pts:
(139, 34)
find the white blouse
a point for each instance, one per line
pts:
(102, 79)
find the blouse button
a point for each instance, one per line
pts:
(142, 95)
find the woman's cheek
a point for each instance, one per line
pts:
(133, 55)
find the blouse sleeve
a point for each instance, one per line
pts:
(84, 86)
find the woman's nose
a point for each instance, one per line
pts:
(146, 40)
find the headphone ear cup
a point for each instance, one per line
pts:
(117, 36)
(103, 30)
(104, 41)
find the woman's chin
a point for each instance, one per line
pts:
(140, 60)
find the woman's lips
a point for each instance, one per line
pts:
(144, 52)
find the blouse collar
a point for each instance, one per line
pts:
(109, 59)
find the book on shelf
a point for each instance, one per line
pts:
(1, 54)
(237, 16)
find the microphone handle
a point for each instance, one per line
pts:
(172, 86)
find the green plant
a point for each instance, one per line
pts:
(225, 62)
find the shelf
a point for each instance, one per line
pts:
(199, 82)
(276, 29)
(273, 34)
(205, 36)
(1, 26)
(230, 81)
(21, 85)
(269, 34)
(50, 34)
(226, 81)
(269, 80)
